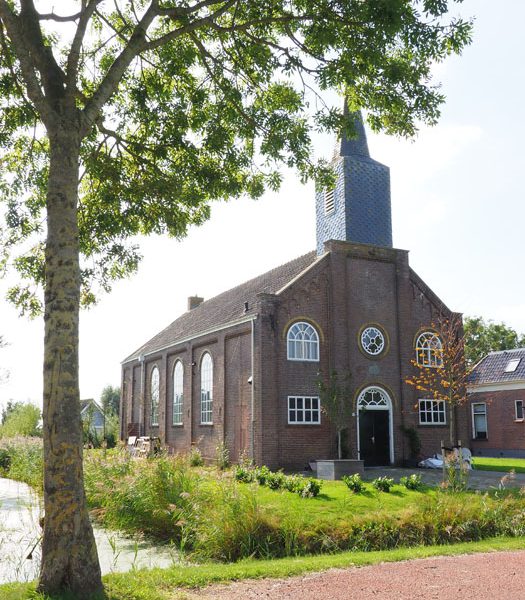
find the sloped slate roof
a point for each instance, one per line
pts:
(226, 307)
(491, 369)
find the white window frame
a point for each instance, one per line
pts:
(302, 342)
(293, 406)
(474, 432)
(154, 396)
(512, 365)
(516, 410)
(206, 389)
(427, 406)
(368, 331)
(178, 393)
(429, 349)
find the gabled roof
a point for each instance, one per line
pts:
(225, 308)
(492, 368)
(84, 404)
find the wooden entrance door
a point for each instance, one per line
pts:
(374, 437)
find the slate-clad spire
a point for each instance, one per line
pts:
(358, 208)
(354, 146)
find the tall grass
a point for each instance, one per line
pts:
(21, 458)
(210, 515)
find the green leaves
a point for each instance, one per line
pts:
(214, 99)
(482, 337)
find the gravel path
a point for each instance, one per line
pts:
(492, 576)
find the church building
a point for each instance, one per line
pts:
(242, 368)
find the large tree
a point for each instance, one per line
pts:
(110, 400)
(482, 337)
(124, 118)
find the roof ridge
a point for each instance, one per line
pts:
(209, 312)
(506, 351)
(248, 281)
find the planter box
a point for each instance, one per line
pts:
(335, 469)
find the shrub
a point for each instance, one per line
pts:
(383, 484)
(243, 474)
(261, 474)
(412, 482)
(275, 481)
(293, 483)
(310, 488)
(354, 483)
(195, 457)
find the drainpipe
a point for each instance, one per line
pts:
(142, 428)
(252, 407)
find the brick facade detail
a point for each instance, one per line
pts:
(350, 286)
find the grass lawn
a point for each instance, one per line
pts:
(336, 503)
(169, 584)
(482, 463)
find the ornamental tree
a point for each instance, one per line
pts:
(444, 377)
(128, 117)
(336, 404)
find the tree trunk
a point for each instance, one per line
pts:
(452, 428)
(339, 445)
(69, 554)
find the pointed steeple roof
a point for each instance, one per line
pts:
(357, 145)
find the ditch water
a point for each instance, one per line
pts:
(20, 512)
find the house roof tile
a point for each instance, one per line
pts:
(491, 369)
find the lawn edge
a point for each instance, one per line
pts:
(163, 584)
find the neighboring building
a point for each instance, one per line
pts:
(496, 402)
(91, 412)
(241, 368)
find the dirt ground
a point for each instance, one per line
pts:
(492, 576)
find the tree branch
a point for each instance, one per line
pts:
(51, 74)
(74, 54)
(60, 19)
(13, 28)
(112, 78)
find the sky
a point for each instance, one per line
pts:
(457, 205)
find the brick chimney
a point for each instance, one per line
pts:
(194, 301)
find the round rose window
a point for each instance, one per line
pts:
(372, 341)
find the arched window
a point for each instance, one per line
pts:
(373, 398)
(429, 350)
(154, 394)
(178, 376)
(303, 342)
(206, 389)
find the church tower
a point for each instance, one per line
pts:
(358, 208)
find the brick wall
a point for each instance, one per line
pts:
(505, 434)
(354, 285)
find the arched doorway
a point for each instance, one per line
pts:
(375, 441)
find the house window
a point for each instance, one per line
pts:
(303, 342)
(154, 392)
(372, 340)
(206, 390)
(432, 412)
(304, 410)
(519, 410)
(429, 350)
(512, 365)
(178, 375)
(479, 420)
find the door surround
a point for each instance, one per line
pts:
(375, 397)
